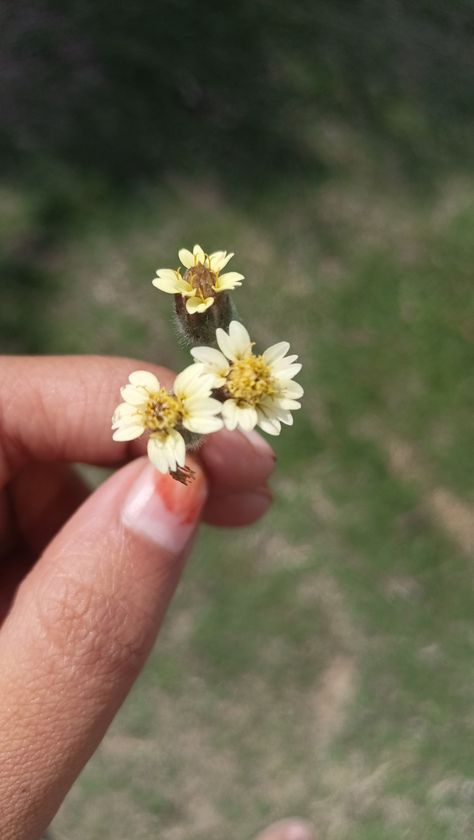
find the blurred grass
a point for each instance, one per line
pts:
(320, 662)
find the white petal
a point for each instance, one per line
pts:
(247, 416)
(235, 415)
(123, 412)
(129, 432)
(291, 405)
(200, 368)
(276, 351)
(157, 454)
(192, 382)
(268, 416)
(171, 282)
(236, 344)
(212, 359)
(199, 254)
(292, 390)
(224, 343)
(166, 452)
(190, 374)
(230, 414)
(186, 257)
(273, 409)
(169, 452)
(144, 378)
(175, 449)
(271, 427)
(229, 281)
(134, 395)
(270, 407)
(122, 422)
(288, 372)
(285, 416)
(200, 405)
(179, 449)
(219, 260)
(284, 362)
(210, 356)
(240, 340)
(215, 380)
(203, 424)
(197, 304)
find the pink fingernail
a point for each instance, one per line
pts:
(164, 510)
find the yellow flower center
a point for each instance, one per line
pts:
(162, 411)
(250, 379)
(202, 279)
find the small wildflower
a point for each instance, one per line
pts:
(257, 390)
(147, 406)
(202, 280)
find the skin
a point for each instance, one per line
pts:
(82, 595)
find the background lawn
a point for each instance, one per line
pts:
(320, 663)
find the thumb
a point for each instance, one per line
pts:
(80, 629)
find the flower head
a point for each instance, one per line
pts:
(201, 281)
(257, 390)
(147, 406)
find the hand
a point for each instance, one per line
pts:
(85, 579)
(288, 830)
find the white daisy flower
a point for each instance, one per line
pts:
(202, 280)
(258, 390)
(147, 406)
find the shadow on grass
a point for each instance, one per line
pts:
(128, 91)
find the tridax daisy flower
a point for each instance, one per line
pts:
(202, 280)
(256, 390)
(147, 406)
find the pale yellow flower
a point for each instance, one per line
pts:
(201, 281)
(258, 390)
(147, 406)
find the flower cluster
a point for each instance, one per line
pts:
(228, 385)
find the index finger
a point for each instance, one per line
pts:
(59, 408)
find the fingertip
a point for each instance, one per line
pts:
(237, 461)
(290, 829)
(234, 510)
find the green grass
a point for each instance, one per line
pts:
(321, 662)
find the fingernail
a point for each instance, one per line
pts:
(260, 445)
(163, 510)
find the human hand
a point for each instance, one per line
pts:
(85, 579)
(292, 829)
